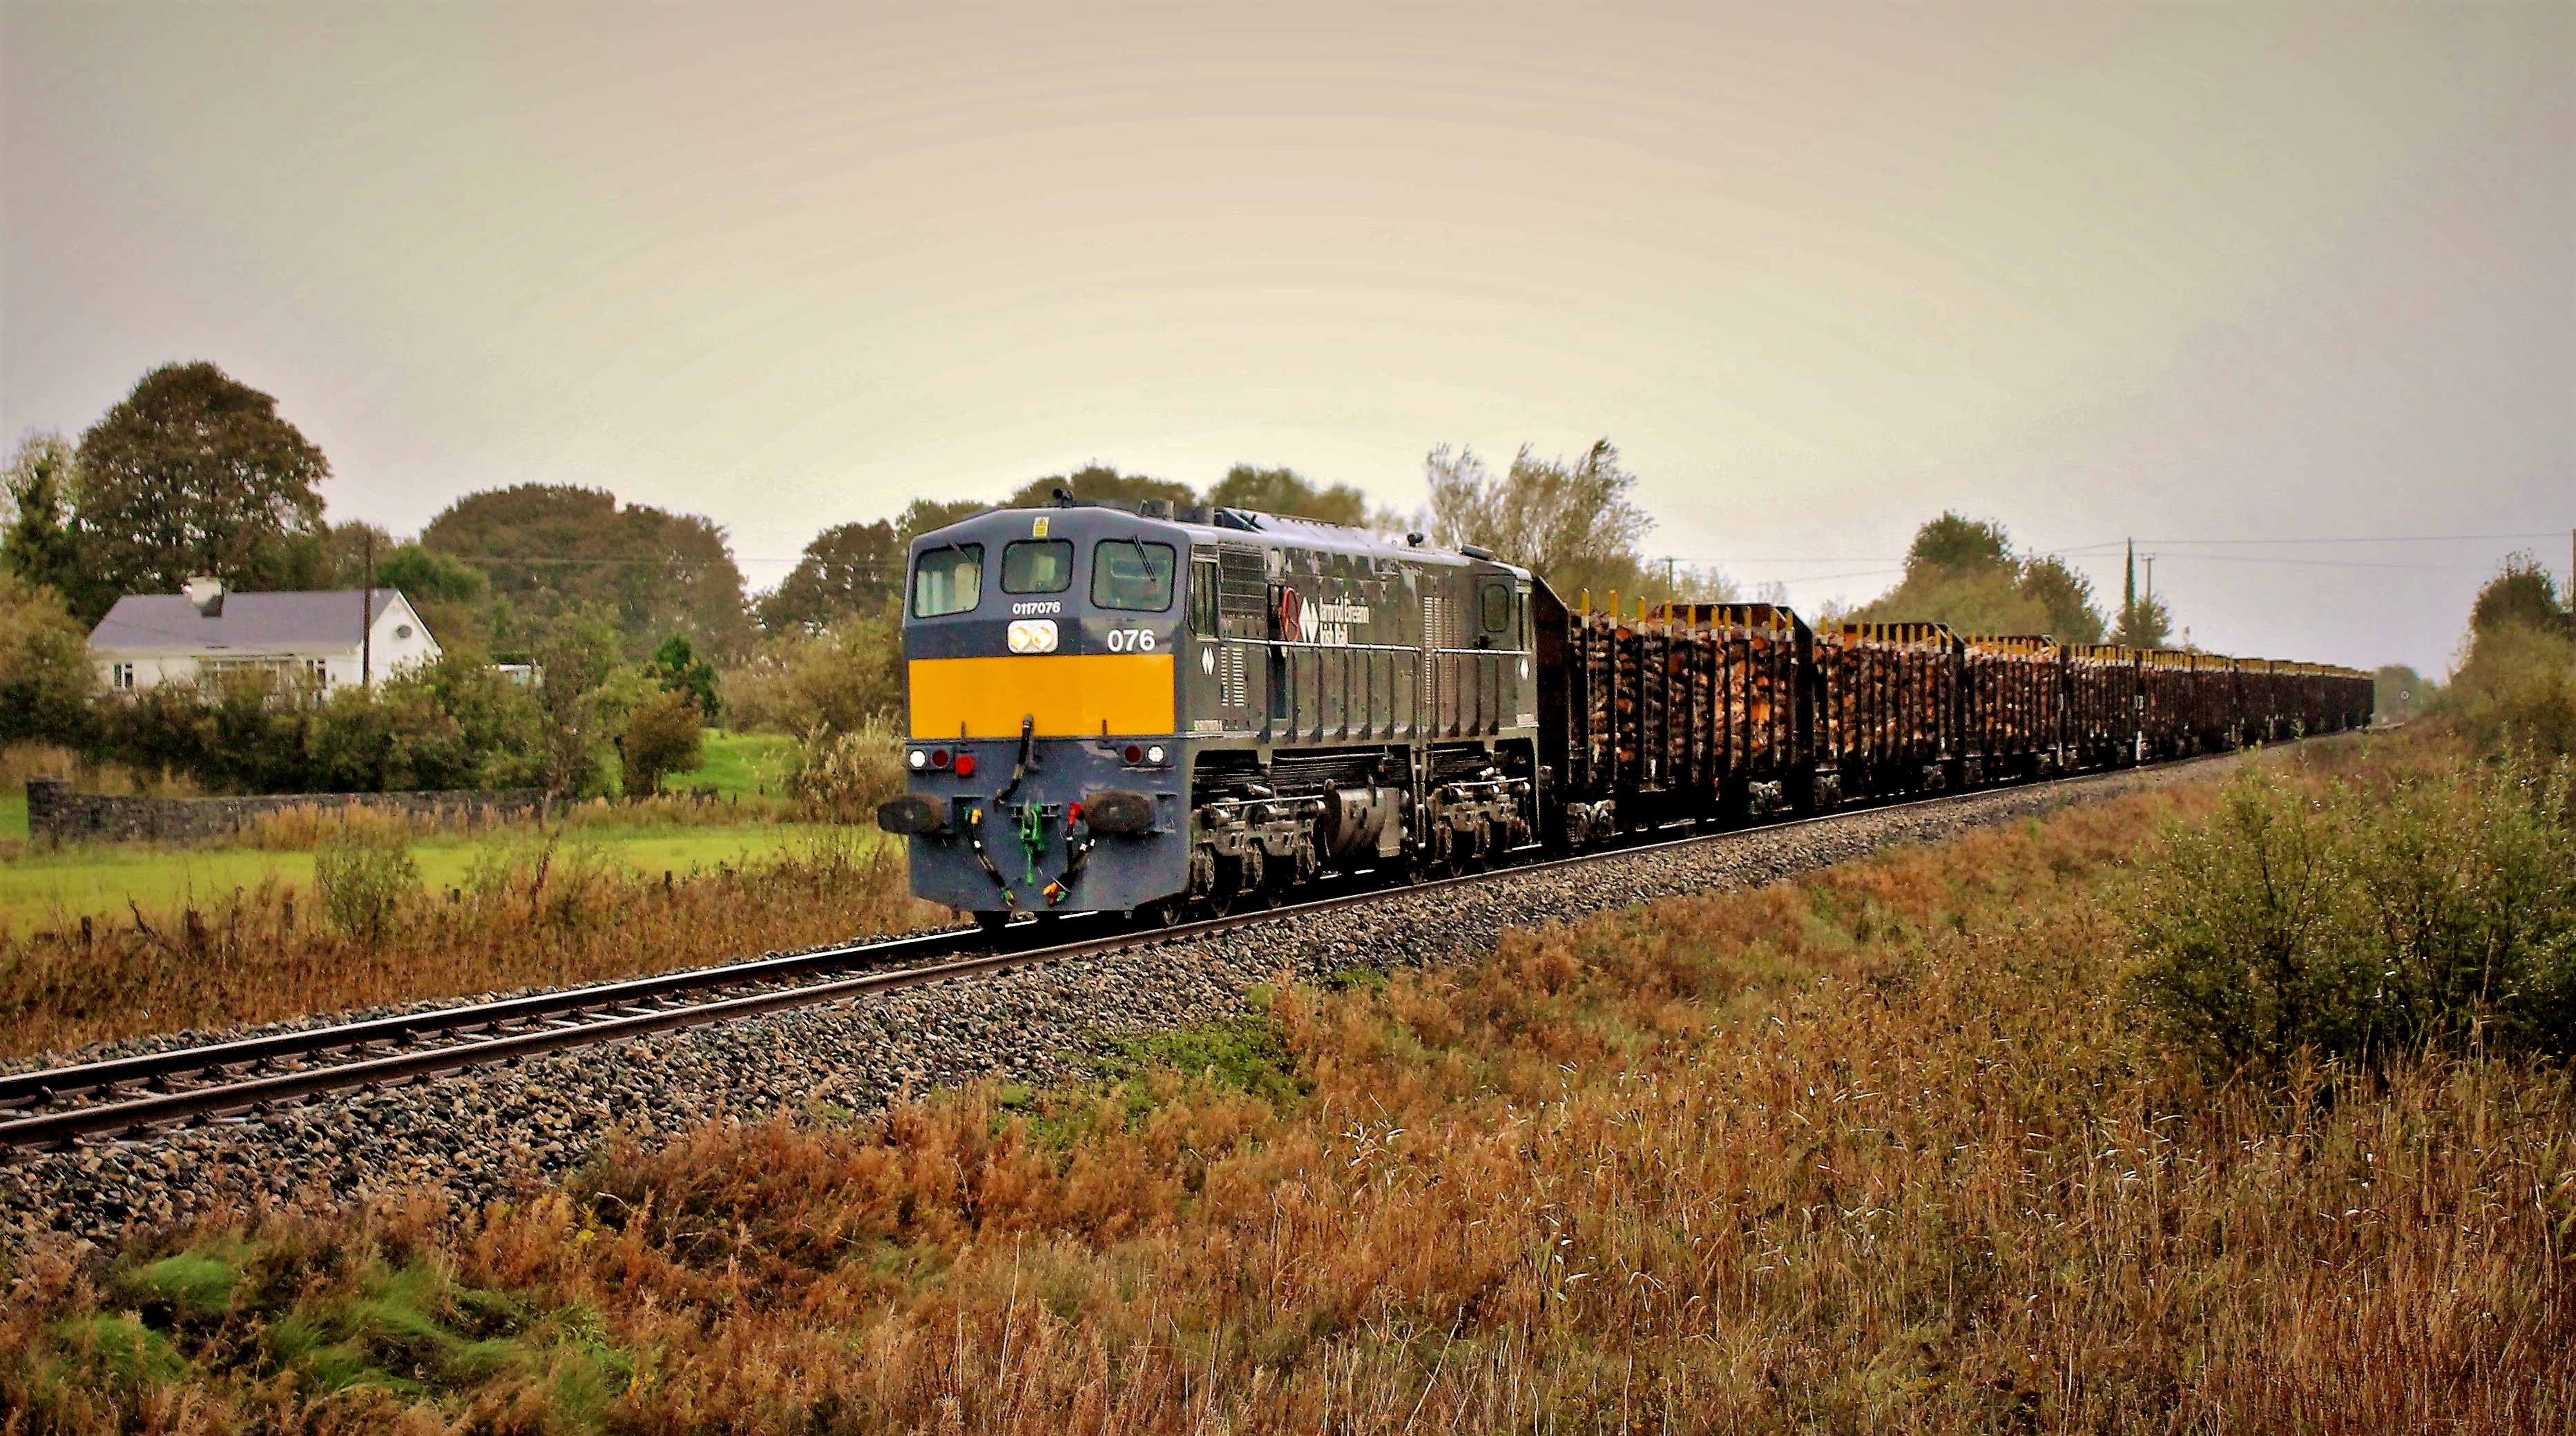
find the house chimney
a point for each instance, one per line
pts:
(207, 592)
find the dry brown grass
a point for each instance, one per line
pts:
(538, 912)
(1880, 1148)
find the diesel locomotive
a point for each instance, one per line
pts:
(1155, 709)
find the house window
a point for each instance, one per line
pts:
(402, 630)
(120, 676)
(318, 671)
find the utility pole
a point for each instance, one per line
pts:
(367, 630)
(1668, 578)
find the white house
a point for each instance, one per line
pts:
(150, 637)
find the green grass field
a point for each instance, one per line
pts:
(43, 888)
(739, 765)
(13, 815)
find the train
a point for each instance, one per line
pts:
(1160, 710)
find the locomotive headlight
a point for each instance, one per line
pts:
(1154, 754)
(919, 759)
(1033, 635)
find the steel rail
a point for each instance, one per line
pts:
(47, 1084)
(136, 1116)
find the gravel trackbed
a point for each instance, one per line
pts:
(488, 1133)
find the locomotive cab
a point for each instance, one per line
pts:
(1039, 655)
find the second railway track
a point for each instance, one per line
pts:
(229, 1081)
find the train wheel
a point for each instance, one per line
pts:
(1255, 892)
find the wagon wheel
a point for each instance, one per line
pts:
(1479, 847)
(1253, 888)
(1439, 843)
(1225, 883)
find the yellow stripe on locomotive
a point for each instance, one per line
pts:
(1070, 695)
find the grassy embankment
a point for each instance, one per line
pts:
(740, 765)
(1882, 1146)
(51, 889)
(532, 910)
(110, 940)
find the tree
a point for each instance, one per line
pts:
(1962, 572)
(348, 551)
(1959, 544)
(678, 669)
(46, 679)
(549, 550)
(40, 543)
(662, 736)
(2144, 622)
(576, 707)
(847, 569)
(2522, 593)
(1285, 491)
(195, 473)
(2064, 596)
(836, 681)
(926, 515)
(1100, 481)
(452, 596)
(2400, 694)
(1576, 524)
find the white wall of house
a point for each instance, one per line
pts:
(401, 641)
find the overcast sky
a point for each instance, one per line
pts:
(2204, 276)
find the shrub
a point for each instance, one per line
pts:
(2518, 687)
(839, 680)
(45, 673)
(365, 876)
(2356, 924)
(2518, 684)
(663, 736)
(845, 775)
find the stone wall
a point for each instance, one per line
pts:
(55, 813)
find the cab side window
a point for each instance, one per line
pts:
(1203, 598)
(1498, 607)
(1037, 566)
(1131, 575)
(948, 580)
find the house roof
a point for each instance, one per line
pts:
(248, 623)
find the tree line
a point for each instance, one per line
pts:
(641, 620)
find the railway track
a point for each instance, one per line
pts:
(244, 1080)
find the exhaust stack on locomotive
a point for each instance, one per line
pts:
(1140, 708)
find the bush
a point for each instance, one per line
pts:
(365, 876)
(845, 775)
(836, 681)
(45, 673)
(663, 736)
(2357, 924)
(2518, 687)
